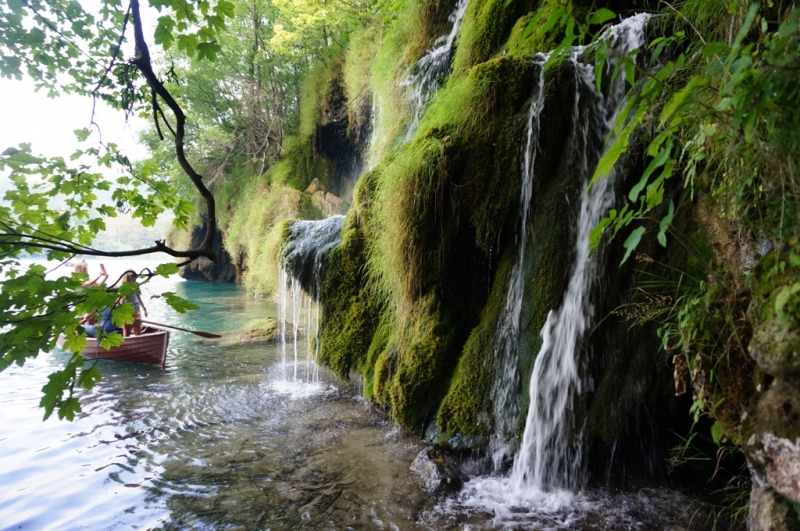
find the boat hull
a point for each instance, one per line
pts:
(150, 347)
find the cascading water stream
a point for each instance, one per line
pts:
(550, 454)
(504, 396)
(428, 73)
(300, 279)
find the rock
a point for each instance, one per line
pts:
(257, 331)
(438, 470)
(774, 450)
(769, 512)
(328, 203)
(776, 347)
(315, 187)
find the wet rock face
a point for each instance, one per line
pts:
(221, 270)
(774, 450)
(306, 249)
(438, 471)
(326, 202)
(768, 512)
(776, 347)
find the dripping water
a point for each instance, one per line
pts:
(548, 469)
(300, 285)
(428, 73)
(551, 453)
(504, 396)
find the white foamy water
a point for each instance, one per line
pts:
(299, 311)
(432, 68)
(551, 450)
(492, 503)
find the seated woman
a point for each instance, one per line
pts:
(105, 323)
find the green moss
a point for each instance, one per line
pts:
(435, 207)
(298, 166)
(260, 330)
(257, 229)
(464, 408)
(526, 41)
(427, 351)
(383, 338)
(312, 96)
(486, 27)
(350, 311)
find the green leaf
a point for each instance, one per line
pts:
(714, 48)
(68, 408)
(717, 432)
(89, 377)
(666, 221)
(114, 339)
(82, 134)
(34, 38)
(630, 71)
(656, 163)
(783, 296)
(75, 343)
(167, 269)
(208, 50)
(179, 304)
(679, 97)
(163, 33)
(602, 16)
(632, 242)
(224, 8)
(596, 233)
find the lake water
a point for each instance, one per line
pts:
(229, 436)
(224, 437)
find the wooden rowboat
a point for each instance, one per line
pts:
(149, 347)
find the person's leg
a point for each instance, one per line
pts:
(89, 330)
(137, 323)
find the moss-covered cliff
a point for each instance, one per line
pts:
(413, 297)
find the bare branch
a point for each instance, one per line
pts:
(143, 62)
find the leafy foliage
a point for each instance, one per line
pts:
(56, 207)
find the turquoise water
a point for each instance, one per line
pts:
(228, 436)
(224, 437)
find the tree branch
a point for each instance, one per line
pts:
(143, 62)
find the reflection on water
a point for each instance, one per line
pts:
(219, 439)
(226, 438)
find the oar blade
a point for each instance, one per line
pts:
(209, 335)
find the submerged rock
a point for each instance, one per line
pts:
(258, 331)
(438, 470)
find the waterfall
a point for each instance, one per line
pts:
(550, 454)
(428, 73)
(540, 492)
(300, 285)
(504, 396)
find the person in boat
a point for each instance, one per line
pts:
(83, 267)
(104, 323)
(136, 301)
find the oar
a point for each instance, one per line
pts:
(195, 332)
